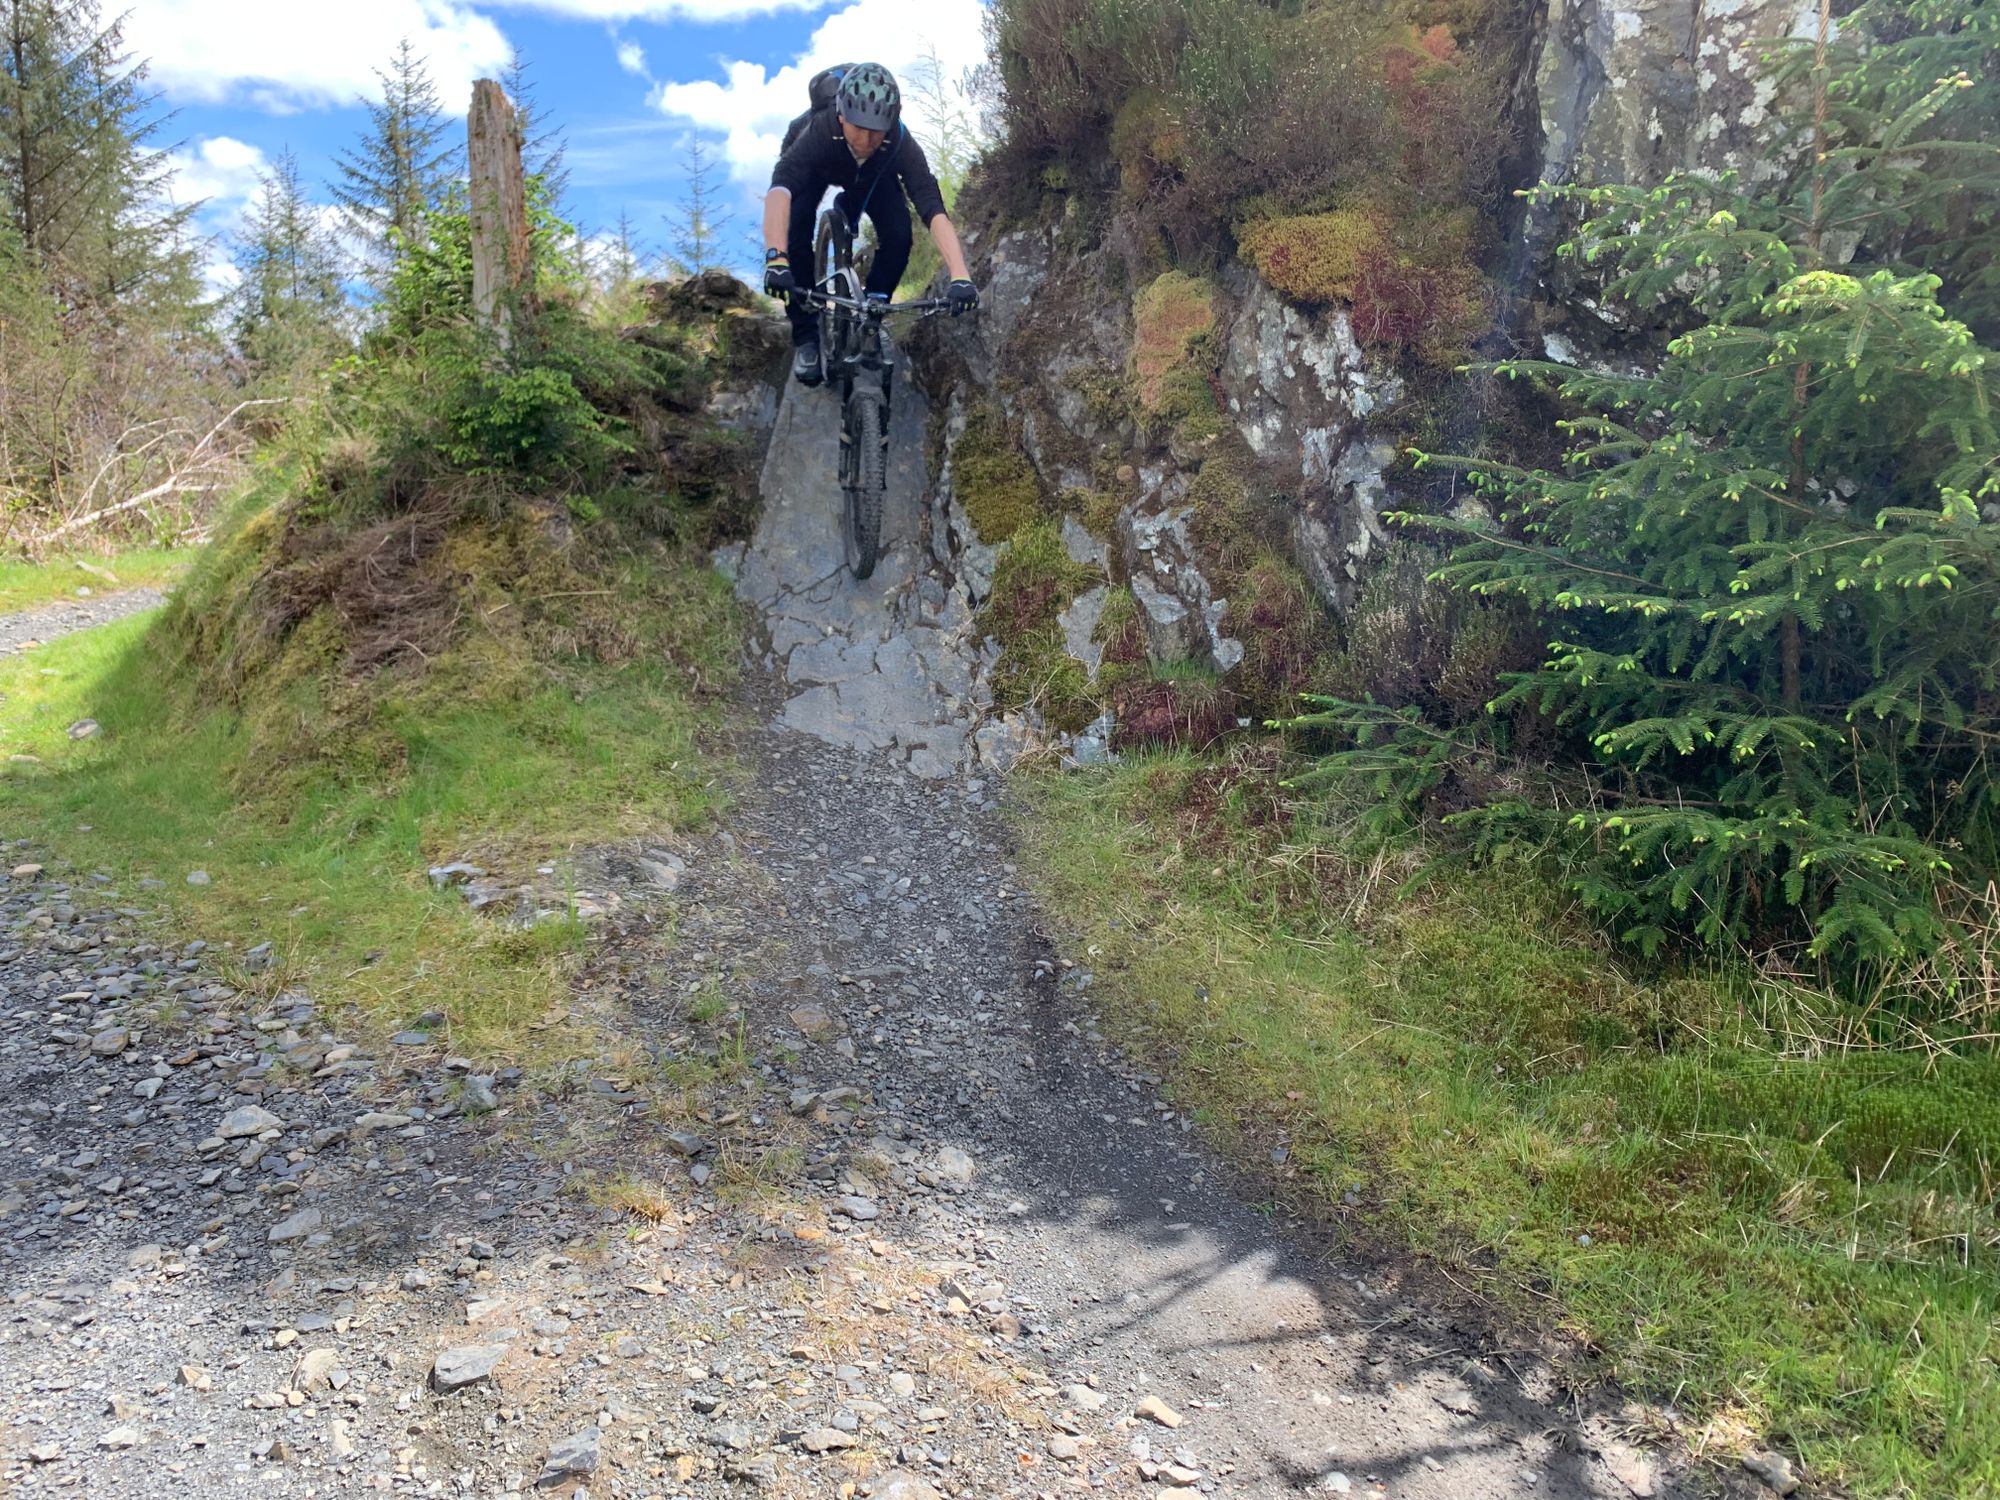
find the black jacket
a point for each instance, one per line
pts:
(816, 158)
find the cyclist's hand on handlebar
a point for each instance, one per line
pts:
(778, 279)
(962, 296)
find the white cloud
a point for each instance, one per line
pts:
(301, 54)
(632, 58)
(751, 106)
(221, 170)
(662, 10)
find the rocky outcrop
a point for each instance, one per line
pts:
(1301, 394)
(1631, 91)
(1244, 441)
(1294, 396)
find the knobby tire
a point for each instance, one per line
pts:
(864, 496)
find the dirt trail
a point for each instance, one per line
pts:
(32, 627)
(1122, 1232)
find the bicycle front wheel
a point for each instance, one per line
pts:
(833, 271)
(867, 475)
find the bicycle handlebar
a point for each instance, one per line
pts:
(874, 309)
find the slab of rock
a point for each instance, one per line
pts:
(306, 1221)
(1153, 1409)
(249, 1120)
(454, 1369)
(814, 1022)
(860, 1209)
(478, 1097)
(902, 1487)
(952, 1168)
(1632, 1469)
(825, 1439)
(111, 1041)
(1774, 1469)
(119, 1438)
(573, 1455)
(313, 1368)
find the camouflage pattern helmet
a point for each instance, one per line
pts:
(869, 97)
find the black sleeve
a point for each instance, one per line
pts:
(799, 168)
(926, 197)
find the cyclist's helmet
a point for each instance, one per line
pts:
(869, 97)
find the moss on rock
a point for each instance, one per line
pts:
(1034, 581)
(1173, 335)
(1287, 636)
(996, 484)
(1409, 278)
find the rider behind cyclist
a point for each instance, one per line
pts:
(854, 144)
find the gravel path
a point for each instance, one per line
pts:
(846, 1195)
(34, 627)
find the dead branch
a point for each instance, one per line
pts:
(177, 482)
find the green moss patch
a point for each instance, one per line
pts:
(1034, 582)
(996, 484)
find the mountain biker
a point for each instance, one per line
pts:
(853, 140)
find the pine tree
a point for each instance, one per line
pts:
(543, 146)
(1884, 58)
(289, 307)
(1766, 568)
(698, 225)
(403, 165)
(618, 274)
(80, 185)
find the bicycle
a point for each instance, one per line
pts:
(858, 361)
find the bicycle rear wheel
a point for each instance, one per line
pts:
(867, 481)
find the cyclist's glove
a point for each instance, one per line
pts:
(963, 297)
(778, 281)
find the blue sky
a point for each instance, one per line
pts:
(631, 81)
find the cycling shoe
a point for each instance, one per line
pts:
(806, 364)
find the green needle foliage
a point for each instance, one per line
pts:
(1765, 570)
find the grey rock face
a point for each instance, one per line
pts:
(1774, 1469)
(882, 664)
(306, 1221)
(1178, 610)
(1632, 91)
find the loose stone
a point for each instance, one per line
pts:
(454, 1369)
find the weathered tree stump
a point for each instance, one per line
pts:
(501, 264)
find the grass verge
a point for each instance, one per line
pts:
(569, 702)
(24, 585)
(1782, 1239)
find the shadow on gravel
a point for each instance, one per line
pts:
(1318, 1367)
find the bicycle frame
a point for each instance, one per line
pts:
(855, 353)
(853, 343)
